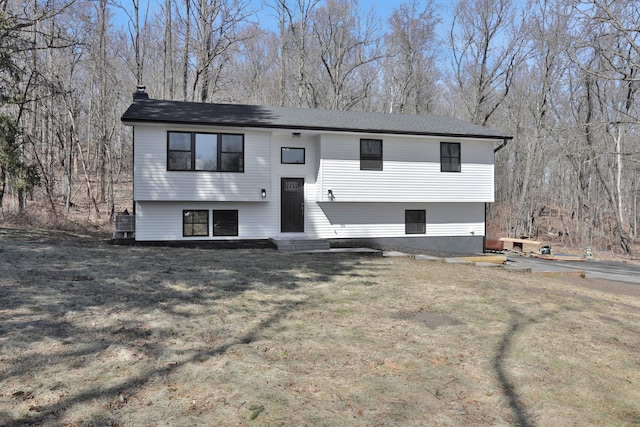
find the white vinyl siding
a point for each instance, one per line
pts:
(368, 204)
(152, 180)
(163, 220)
(411, 171)
(369, 220)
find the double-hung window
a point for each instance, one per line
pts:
(213, 152)
(449, 157)
(371, 154)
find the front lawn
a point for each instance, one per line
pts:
(99, 335)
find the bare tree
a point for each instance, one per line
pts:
(411, 71)
(253, 74)
(487, 45)
(217, 24)
(608, 54)
(535, 92)
(186, 49)
(168, 76)
(284, 17)
(135, 39)
(301, 26)
(24, 32)
(349, 51)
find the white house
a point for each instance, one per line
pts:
(245, 172)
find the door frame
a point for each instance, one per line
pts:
(301, 215)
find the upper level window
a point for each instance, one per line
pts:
(179, 151)
(371, 154)
(293, 156)
(214, 152)
(449, 157)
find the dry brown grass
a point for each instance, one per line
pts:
(97, 335)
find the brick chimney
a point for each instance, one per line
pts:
(140, 93)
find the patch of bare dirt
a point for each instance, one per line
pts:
(430, 320)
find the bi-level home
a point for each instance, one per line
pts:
(206, 171)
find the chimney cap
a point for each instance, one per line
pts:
(140, 93)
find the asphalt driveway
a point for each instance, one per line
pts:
(594, 269)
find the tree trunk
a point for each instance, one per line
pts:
(187, 50)
(167, 66)
(85, 169)
(3, 186)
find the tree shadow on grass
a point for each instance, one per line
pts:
(522, 418)
(129, 386)
(44, 287)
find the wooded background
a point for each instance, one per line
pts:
(561, 76)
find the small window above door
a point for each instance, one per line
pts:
(292, 156)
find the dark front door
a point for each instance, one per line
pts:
(292, 202)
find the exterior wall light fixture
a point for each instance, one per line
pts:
(264, 193)
(331, 197)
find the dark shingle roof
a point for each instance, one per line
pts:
(178, 112)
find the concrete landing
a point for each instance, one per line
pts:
(364, 251)
(458, 261)
(301, 245)
(395, 254)
(427, 258)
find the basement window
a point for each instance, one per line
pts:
(415, 221)
(195, 223)
(225, 222)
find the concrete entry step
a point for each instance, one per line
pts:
(296, 245)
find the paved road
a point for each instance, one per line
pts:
(609, 270)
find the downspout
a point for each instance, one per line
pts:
(484, 235)
(505, 141)
(133, 170)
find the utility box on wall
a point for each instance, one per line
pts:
(125, 226)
